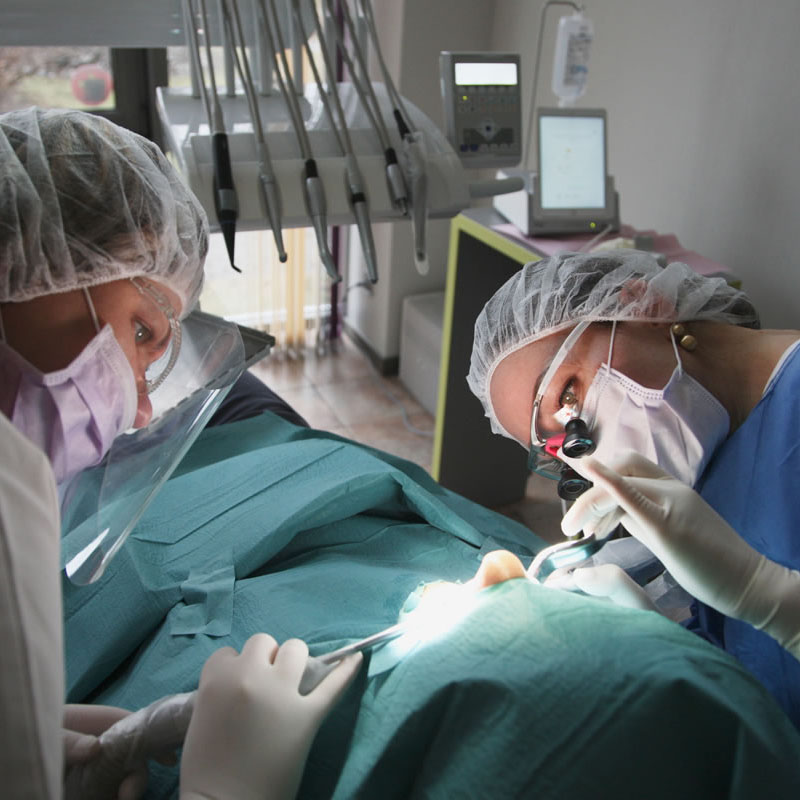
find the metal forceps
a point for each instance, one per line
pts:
(319, 666)
(386, 635)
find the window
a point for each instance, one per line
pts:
(56, 77)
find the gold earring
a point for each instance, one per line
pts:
(685, 340)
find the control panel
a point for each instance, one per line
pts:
(482, 107)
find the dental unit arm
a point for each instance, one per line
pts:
(412, 176)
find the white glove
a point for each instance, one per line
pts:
(251, 729)
(114, 764)
(608, 581)
(82, 727)
(703, 553)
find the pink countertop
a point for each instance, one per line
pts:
(666, 244)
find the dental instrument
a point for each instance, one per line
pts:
(354, 183)
(413, 144)
(367, 643)
(226, 202)
(394, 176)
(313, 189)
(267, 183)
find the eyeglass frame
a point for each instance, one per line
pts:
(175, 329)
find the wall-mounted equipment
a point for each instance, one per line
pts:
(572, 191)
(482, 107)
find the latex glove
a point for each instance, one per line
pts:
(608, 581)
(251, 729)
(116, 764)
(82, 727)
(703, 553)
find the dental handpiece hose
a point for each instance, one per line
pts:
(268, 185)
(394, 175)
(225, 201)
(224, 190)
(356, 192)
(312, 187)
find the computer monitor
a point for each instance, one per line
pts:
(573, 192)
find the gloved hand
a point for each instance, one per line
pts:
(251, 729)
(608, 581)
(703, 553)
(82, 727)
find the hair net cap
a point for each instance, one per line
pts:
(85, 202)
(557, 293)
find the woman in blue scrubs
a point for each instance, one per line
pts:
(679, 388)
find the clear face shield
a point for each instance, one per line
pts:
(186, 384)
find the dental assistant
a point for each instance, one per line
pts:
(101, 256)
(679, 388)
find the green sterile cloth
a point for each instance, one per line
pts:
(207, 602)
(276, 497)
(537, 692)
(545, 694)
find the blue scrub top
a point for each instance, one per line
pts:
(753, 482)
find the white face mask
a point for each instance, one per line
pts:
(678, 427)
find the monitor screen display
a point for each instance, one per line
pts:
(485, 73)
(572, 169)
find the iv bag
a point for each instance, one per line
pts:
(571, 61)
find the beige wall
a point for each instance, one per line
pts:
(703, 98)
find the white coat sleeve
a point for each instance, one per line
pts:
(31, 667)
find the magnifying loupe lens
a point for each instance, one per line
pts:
(578, 440)
(572, 485)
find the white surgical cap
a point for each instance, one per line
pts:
(85, 202)
(555, 294)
